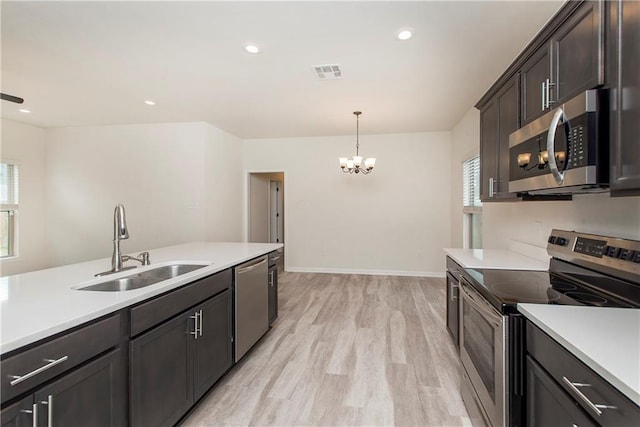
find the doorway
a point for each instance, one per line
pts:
(266, 209)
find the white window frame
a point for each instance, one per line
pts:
(471, 204)
(13, 209)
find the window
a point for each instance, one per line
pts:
(471, 204)
(8, 209)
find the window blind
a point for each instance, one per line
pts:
(9, 193)
(471, 183)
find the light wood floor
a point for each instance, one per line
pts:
(346, 350)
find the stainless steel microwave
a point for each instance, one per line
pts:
(564, 151)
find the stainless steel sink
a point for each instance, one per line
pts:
(142, 279)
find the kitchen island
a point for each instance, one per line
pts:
(39, 304)
(135, 357)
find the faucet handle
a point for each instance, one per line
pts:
(144, 256)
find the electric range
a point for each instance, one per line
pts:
(584, 270)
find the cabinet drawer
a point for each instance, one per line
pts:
(149, 314)
(274, 257)
(46, 360)
(561, 364)
(454, 268)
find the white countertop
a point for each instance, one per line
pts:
(39, 304)
(605, 339)
(495, 258)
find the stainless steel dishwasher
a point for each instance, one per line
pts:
(251, 304)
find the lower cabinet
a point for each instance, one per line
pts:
(174, 364)
(547, 403)
(273, 294)
(92, 395)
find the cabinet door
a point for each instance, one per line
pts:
(488, 150)
(508, 122)
(161, 373)
(534, 73)
(20, 414)
(548, 404)
(273, 294)
(93, 395)
(623, 71)
(452, 308)
(212, 356)
(577, 53)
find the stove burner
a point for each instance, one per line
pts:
(587, 298)
(525, 292)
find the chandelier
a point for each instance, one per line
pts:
(355, 165)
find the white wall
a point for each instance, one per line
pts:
(25, 145)
(178, 182)
(531, 222)
(466, 144)
(395, 220)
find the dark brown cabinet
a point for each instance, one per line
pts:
(19, 414)
(536, 74)
(570, 62)
(623, 71)
(174, 364)
(453, 298)
(212, 353)
(273, 294)
(498, 119)
(577, 49)
(548, 404)
(92, 395)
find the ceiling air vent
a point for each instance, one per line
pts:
(328, 72)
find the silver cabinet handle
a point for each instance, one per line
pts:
(19, 378)
(544, 91)
(595, 407)
(252, 266)
(49, 403)
(551, 145)
(452, 287)
(34, 414)
(271, 278)
(549, 86)
(195, 325)
(491, 192)
(200, 322)
(275, 258)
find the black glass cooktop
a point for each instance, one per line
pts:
(571, 285)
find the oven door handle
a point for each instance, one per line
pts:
(488, 313)
(551, 144)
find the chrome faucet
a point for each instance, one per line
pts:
(120, 232)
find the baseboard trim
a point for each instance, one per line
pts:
(437, 274)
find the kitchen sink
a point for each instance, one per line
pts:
(142, 279)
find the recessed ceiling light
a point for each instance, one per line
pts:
(24, 110)
(404, 35)
(148, 102)
(252, 48)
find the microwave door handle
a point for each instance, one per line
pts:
(551, 144)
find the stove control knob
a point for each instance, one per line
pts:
(611, 251)
(623, 253)
(552, 240)
(635, 257)
(561, 241)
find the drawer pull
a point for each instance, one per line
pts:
(52, 362)
(595, 407)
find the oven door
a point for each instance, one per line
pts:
(483, 332)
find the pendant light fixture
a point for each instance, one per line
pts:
(355, 165)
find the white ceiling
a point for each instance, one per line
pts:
(95, 63)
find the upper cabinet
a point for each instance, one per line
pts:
(623, 76)
(570, 61)
(499, 118)
(585, 45)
